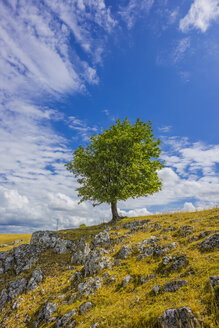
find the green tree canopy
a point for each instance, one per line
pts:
(119, 163)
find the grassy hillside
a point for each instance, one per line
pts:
(7, 241)
(135, 304)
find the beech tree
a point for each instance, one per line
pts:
(119, 163)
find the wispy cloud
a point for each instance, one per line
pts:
(133, 10)
(200, 16)
(165, 129)
(182, 46)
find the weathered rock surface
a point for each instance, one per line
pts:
(37, 277)
(81, 255)
(214, 281)
(174, 285)
(66, 320)
(124, 252)
(13, 289)
(178, 318)
(102, 240)
(210, 243)
(126, 280)
(95, 263)
(47, 312)
(85, 307)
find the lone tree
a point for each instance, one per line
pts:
(119, 163)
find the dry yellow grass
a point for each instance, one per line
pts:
(9, 239)
(133, 306)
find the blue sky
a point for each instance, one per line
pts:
(71, 68)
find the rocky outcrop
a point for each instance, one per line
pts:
(102, 240)
(80, 256)
(124, 252)
(174, 285)
(66, 320)
(178, 318)
(85, 307)
(37, 277)
(96, 262)
(12, 290)
(210, 243)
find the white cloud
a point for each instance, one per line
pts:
(201, 14)
(165, 129)
(188, 207)
(182, 46)
(133, 10)
(135, 212)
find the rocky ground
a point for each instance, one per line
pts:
(156, 271)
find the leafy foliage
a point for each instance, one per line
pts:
(119, 163)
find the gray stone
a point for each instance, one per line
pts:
(47, 239)
(178, 318)
(179, 262)
(96, 263)
(16, 288)
(166, 260)
(151, 240)
(136, 223)
(80, 256)
(85, 307)
(47, 312)
(3, 297)
(167, 229)
(159, 250)
(1, 270)
(101, 240)
(173, 286)
(126, 280)
(37, 277)
(210, 243)
(64, 246)
(214, 281)
(157, 226)
(9, 261)
(172, 245)
(17, 303)
(87, 287)
(185, 230)
(66, 320)
(146, 278)
(25, 256)
(96, 324)
(124, 252)
(204, 234)
(156, 289)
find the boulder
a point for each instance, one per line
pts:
(174, 285)
(214, 281)
(80, 256)
(47, 312)
(96, 263)
(66, 320)
(210, 243)
(85, 307)
(101, 240)
(45, 239)
(16, 288)
(126, 280)
(156, 289)
(3, 297)
(64, 246)
(178, 318)
(37, 277)
(124, 252)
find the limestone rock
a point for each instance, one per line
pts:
(178, 318)
(3, 297)
(214, 281)
(80, 256)
(34, 281)
(126, 280)
(85, 307)
(47, 239)
(66, 320)
(210, 243)
(64, 246)
(173, 286)
(16, 288)
(47, 312)
(96, 263)
(124, 252)
(156, 289)
(101, 240)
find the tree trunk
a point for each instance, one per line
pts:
(115, 215)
